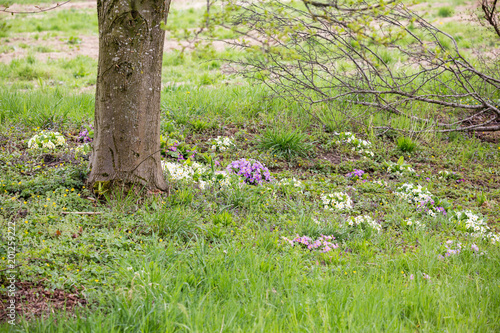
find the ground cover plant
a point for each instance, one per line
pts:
(273, 221)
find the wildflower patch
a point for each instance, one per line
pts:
(47, 140)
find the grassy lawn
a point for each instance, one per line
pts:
(335, 228)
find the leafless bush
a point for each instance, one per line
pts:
(360, 59)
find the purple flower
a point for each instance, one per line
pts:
(355, 174)
(84, 135)
(252, 171)
(321, 244)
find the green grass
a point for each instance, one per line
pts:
(44, 108)
(285, 143)
(68, 22)
(445, 12)
(73, 73)
(406, 144)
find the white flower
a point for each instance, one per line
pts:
(355, 144)
(177, 171)
(221, 143)
(416, 224)
(337, 201)
(47, 140)
(475, 225)
(367, 221)
(292, 182)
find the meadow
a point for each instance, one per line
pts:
(272, 222)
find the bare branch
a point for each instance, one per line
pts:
(38, 9)
(356, 65)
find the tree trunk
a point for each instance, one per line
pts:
(127, 104)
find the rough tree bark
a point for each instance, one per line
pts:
(127, 104)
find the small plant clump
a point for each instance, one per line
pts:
(400, 168)
(291, 182)
(47, 140)
(365, 221)
(86, 134)
(221, 143)
(191, 172)
(449, 175)
(416, 224)
(445, 12)
(285, 143)
(82, 150)
(421, 197)
(474, 224)
(406, 144)
(363, 147)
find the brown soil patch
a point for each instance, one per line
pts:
(59, 46)
(332, 157)
(89, 46)
(34, 301)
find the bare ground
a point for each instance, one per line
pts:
(34, 301)
(60, 48)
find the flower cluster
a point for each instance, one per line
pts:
(421, 198)
(47, 140)
(415, 224)
(450, 175)
(365, 221)
(86, 134)
(475, 225)
(322, 243)
(361, 146)
(252, 172)
(175, 149)
(217, 179)
(172, 145)
(400, 168)
(449, 251)
(381, 183)
(221, 143)
(292, 182)
(356, 174)
(197, 173)
(82, 149)
(337, 201)
(177, 172)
